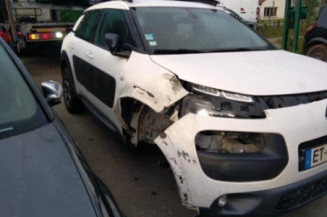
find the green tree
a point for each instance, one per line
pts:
(312, 9)
(69, 16)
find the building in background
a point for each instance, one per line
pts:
(272, 9)
(275, 9)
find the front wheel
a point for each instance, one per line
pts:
(318, 51)
(72, 102)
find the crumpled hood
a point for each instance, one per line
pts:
(259, 73)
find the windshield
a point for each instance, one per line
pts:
(183, 30)
(19, 111)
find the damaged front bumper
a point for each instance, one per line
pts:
(247, 182)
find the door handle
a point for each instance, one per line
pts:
(89, 55)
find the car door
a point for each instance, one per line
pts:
(103, 71)
(81, 51)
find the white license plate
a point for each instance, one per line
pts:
(315, 156)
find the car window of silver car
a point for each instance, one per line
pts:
(19, 111)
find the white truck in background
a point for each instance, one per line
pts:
(37, 21)
(248, 10)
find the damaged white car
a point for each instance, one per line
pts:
(242, 125)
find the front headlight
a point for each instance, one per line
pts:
(211, 102)
(211, 91)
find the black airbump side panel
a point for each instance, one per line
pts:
(97, 82)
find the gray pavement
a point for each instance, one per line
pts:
(140, 186)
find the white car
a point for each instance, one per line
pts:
(242, 124)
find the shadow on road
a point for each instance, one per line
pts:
(36, 49)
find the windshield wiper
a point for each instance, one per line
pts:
(239, 49)
(177, 51)
(6, 129)
(189, 51)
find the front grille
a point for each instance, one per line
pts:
(302, 195)
(275, 102)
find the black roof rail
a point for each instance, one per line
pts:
(208, 2)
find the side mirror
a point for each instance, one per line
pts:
(52, 92)
(111, 40)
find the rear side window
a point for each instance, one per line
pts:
(113, 21)
(322, 20)
(87, 26)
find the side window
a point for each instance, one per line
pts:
(322, 21)
(87, 25)
(113, 21)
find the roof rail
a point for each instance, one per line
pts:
(209, 2)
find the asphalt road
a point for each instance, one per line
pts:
(141, 187)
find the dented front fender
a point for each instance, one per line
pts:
(149, 83)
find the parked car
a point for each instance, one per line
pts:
(43, 174)
(253, 25)
(242, 124)
(315, 42)
(247, 9)
(4, 34)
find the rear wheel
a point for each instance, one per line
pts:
(72, 102)
(318, 51)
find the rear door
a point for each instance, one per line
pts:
(81, 50)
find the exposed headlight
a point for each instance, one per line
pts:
(230, 142)
(197, 105)
(205, 90)
(211, 102)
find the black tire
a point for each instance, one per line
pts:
(318, 51)
(72, 102)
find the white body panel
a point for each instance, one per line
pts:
(261, 73)
(310, 124)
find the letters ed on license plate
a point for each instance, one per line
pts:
(315, 156)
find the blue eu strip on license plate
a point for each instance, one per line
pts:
(307, 164)
(315, 156)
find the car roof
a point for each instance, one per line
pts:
(125, 5)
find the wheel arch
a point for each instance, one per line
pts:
(64, 61)
(313, 42)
